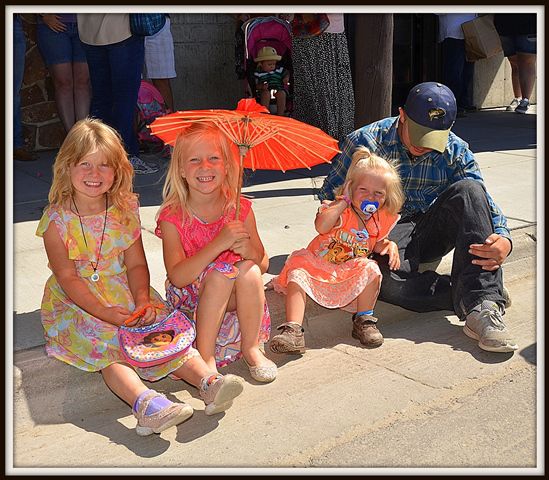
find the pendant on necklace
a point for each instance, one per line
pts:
(95, 277)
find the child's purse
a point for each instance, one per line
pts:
(157, 343)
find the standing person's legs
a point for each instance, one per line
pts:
(80, 75)
(164, 86)
(64, 97)
(82, 90)
(100, 76)
(458, 218)
(126, 65)
(526, 73)
(160, 62)
(453, 64)
(513, 61)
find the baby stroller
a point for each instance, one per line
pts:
(262, 32)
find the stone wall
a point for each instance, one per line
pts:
(42, 128)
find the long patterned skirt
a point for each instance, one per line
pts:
(323, 87)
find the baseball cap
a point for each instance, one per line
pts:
(431, 110)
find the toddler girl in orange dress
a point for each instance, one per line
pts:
(335, 269)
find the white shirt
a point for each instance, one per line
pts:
(449, 24)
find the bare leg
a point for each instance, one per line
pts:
(368, 297)
(82, 90)
(513, 60)
(193, 371)
(63, 84)
(265, 98)
(296, 299)
(214, 296)
(165, 88)
(526, 73)
(280, 102)
(250, 301)
(124, 382)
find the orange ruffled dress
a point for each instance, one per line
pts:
(334, 268)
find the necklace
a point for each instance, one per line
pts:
(364, 223)
(95, 275)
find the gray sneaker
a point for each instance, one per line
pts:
(484, 323)
(142, 168)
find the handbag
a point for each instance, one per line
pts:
(146, 24)
(157, 343)
(309, 24)
(481, 38)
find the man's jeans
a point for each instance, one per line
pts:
(19, 49)
(115, 74)
(457, 73)
(458, 218)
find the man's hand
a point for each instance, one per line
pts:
(492, 253)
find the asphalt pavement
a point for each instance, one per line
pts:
(429, 398)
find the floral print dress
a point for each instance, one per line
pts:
(72, 334)
(194, 235)
(334, 269)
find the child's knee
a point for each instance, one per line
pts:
(249, 270)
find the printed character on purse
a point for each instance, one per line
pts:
(214, 262)
(100, 281)
(335, 269)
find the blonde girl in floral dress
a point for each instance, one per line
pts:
(335, 269)
(92, 236)
(214, 262)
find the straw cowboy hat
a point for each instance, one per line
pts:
(267, 53)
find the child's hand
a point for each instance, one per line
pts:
(144, 313)
(243, 247)
(390, 248)
(116, 315)
(231, 233)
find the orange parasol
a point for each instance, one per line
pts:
(265, 141)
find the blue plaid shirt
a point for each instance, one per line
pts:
(423, 179)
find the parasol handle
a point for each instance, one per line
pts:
(243, 149)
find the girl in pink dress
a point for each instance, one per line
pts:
(334, 270)
(214, 262)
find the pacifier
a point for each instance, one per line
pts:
(369, 208)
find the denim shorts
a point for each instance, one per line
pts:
(60, 47)
(514, 44)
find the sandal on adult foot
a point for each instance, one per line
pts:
(172, 415)
(218, 392)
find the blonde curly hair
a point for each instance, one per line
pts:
(364, 161)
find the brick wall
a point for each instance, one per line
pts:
(42, 128)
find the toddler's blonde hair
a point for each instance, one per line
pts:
(88, 136)
(175, 194)
(364, 161)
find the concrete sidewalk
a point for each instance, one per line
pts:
(417, 401)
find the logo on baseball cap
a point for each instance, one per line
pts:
(431, 110)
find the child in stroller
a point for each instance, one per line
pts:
(271, 80)
(273, 32)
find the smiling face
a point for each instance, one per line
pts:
(203, 167)
(370, 185)
(161, 337)
(91, 176)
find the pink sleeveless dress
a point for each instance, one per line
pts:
(194, 235)
(334, 268)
